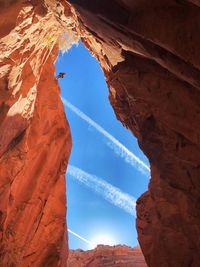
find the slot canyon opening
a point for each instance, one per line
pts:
(149, 52)
(107, 170)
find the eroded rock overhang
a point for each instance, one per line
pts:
(149, 52)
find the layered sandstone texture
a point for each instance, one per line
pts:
(150, 53)
(35, 139)
(107, 256)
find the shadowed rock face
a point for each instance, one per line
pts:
(104, 256)
(149, 52)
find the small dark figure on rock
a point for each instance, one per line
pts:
(60, 75)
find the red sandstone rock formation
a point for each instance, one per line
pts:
(35, 139)
(150, 54)
(149, 51)
(107, 256)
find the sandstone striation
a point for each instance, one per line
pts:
(107, 256)
(149, 52)
(35, 139)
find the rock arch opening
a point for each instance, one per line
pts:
(149, 51)
(105, 176)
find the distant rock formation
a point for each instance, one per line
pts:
(107, 256)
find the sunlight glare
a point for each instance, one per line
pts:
(103, 239)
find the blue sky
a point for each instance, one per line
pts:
(89, 213)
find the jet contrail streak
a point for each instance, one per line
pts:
(114, 144)
(81, 238)
(109, 192)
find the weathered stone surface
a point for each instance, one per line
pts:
(149, 51)
(107, 256)
(35, 139)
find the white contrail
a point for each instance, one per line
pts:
(114, 144)
(109, 192)
(81, 238)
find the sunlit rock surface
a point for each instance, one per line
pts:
(107, 256)
(35, 138)
(149, 51)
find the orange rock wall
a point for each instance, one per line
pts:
(150, 54)
(35, 139)
(149, 51)
(104, 256)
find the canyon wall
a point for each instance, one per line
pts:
(150, 54)
(35, 139)
(107, 256)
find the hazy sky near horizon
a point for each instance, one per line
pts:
(102, 180)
